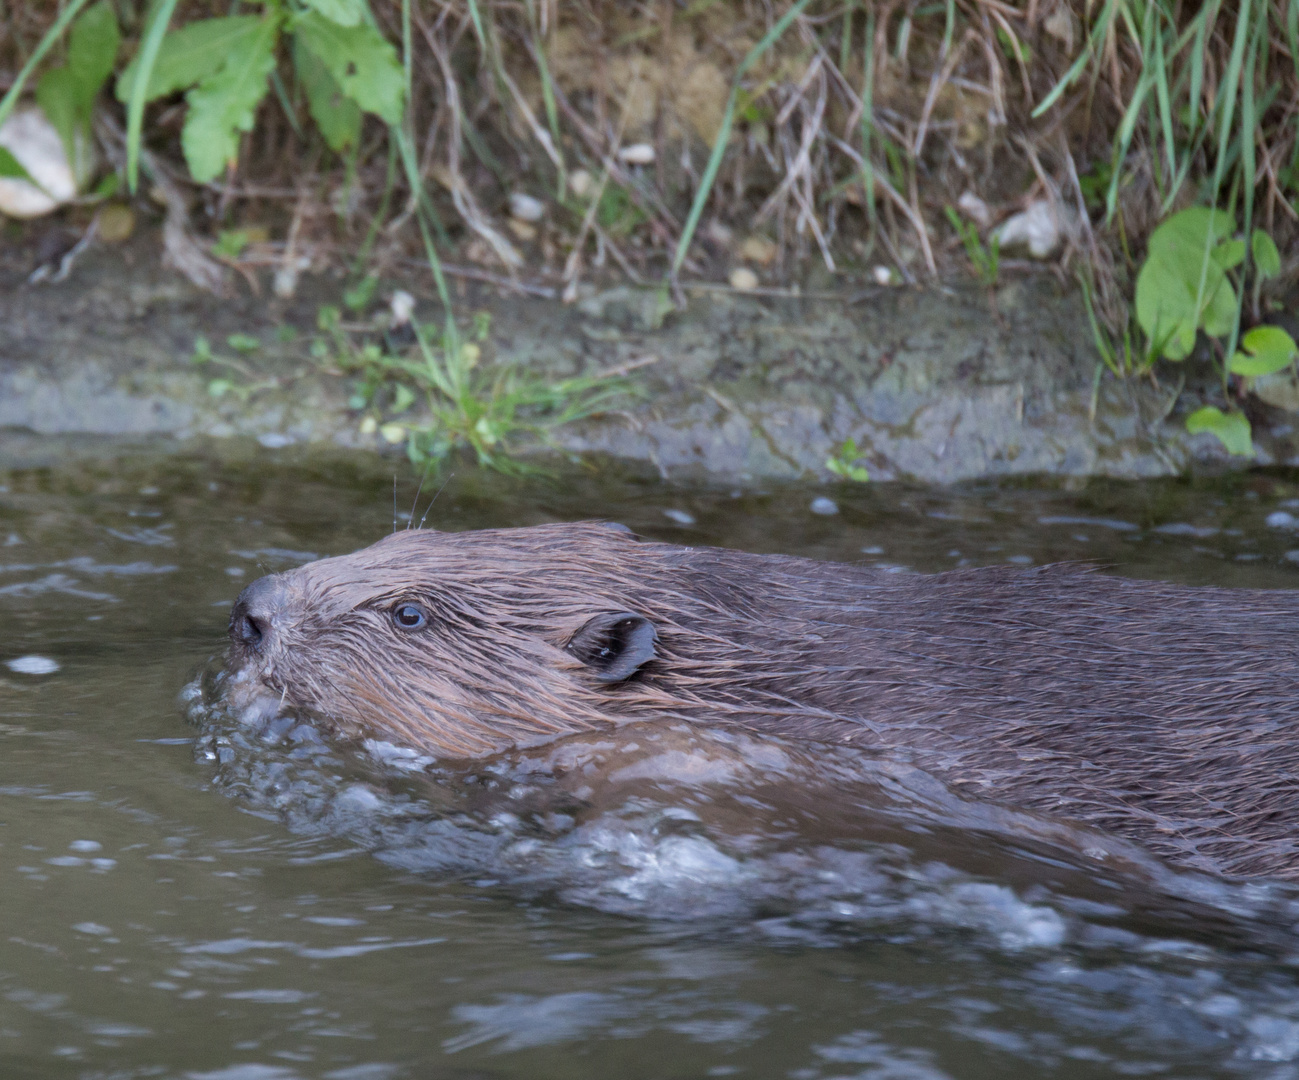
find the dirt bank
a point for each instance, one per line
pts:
(935, 384)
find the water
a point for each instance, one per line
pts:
(191, 894)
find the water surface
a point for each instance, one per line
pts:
(191, 895)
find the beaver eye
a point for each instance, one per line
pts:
(409, 616)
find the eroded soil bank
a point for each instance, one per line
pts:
(937, 384)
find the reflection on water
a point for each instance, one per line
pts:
(240, 898)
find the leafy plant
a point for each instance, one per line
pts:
(1187, 285)
(1231, 428)
(344, 64)
(985, 258)
(844, 463)
(465, 404)
(1183, 285)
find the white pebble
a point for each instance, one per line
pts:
(681, 517)
(526, 208)
(33, 665)
(85, 845)
(1279, 519)
(580, 183)
(641, 153)
(883, 275)
(402, 306)
(744, 279)
(1037, 228)
(822, 505)
(274, 440)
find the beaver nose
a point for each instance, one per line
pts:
(253, 616)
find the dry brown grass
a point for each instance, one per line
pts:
(552, 94)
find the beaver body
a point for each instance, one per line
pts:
(1163, 713)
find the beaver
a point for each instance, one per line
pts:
(1163, 713)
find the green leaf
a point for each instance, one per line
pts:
(1228, 254)
(336, 114)
(1232, 429)
(230, 243)
(343, 12)
(403, 398)
(244, 343)
(363, 64)
(1177, 273)
(1267, 260)
(1219, 314)
(67, 94)
(1270, 349)
(11, 168)
(1191, 231)
(191, 54)
(1165, 304)
(225, 103)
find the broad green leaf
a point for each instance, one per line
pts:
(225, 103)
(336, 114)
(360, 61)
(1219, 314)
(11, 168)
(1165, 303)
(1232, 429)
(1228, 254)
(191, 54)
(1270, 349)
(343, 12)
(1186, 232)
(1267, 260)
(67, 94)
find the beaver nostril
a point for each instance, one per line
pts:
(250, 629)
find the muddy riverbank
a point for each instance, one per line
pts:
(938, 384)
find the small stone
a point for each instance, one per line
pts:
(522, 230)
(744, 279)
(115, 223)
(681, 517)
(581, 183)
(758, 249)
(524, 207)
(719, 233)
(641, 153)
(402, 306)
(85, 846)
(825, 507)
(882, 275)
(1037, 228)
(275, 440)
(32, 665)
(975, 209)
(1280, 519)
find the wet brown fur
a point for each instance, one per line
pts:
(1165, 713)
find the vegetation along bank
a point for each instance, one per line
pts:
(754, 238)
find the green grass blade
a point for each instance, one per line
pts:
(1164, 100)
(144, 72)
(52, 35)
(1123, 139)
(724, 133)
(1099, 29)
(1228, 89)
(868, 123)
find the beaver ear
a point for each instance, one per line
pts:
(615, 646)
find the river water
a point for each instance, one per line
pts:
(189, 894)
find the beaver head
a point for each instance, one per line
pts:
(463, 643)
